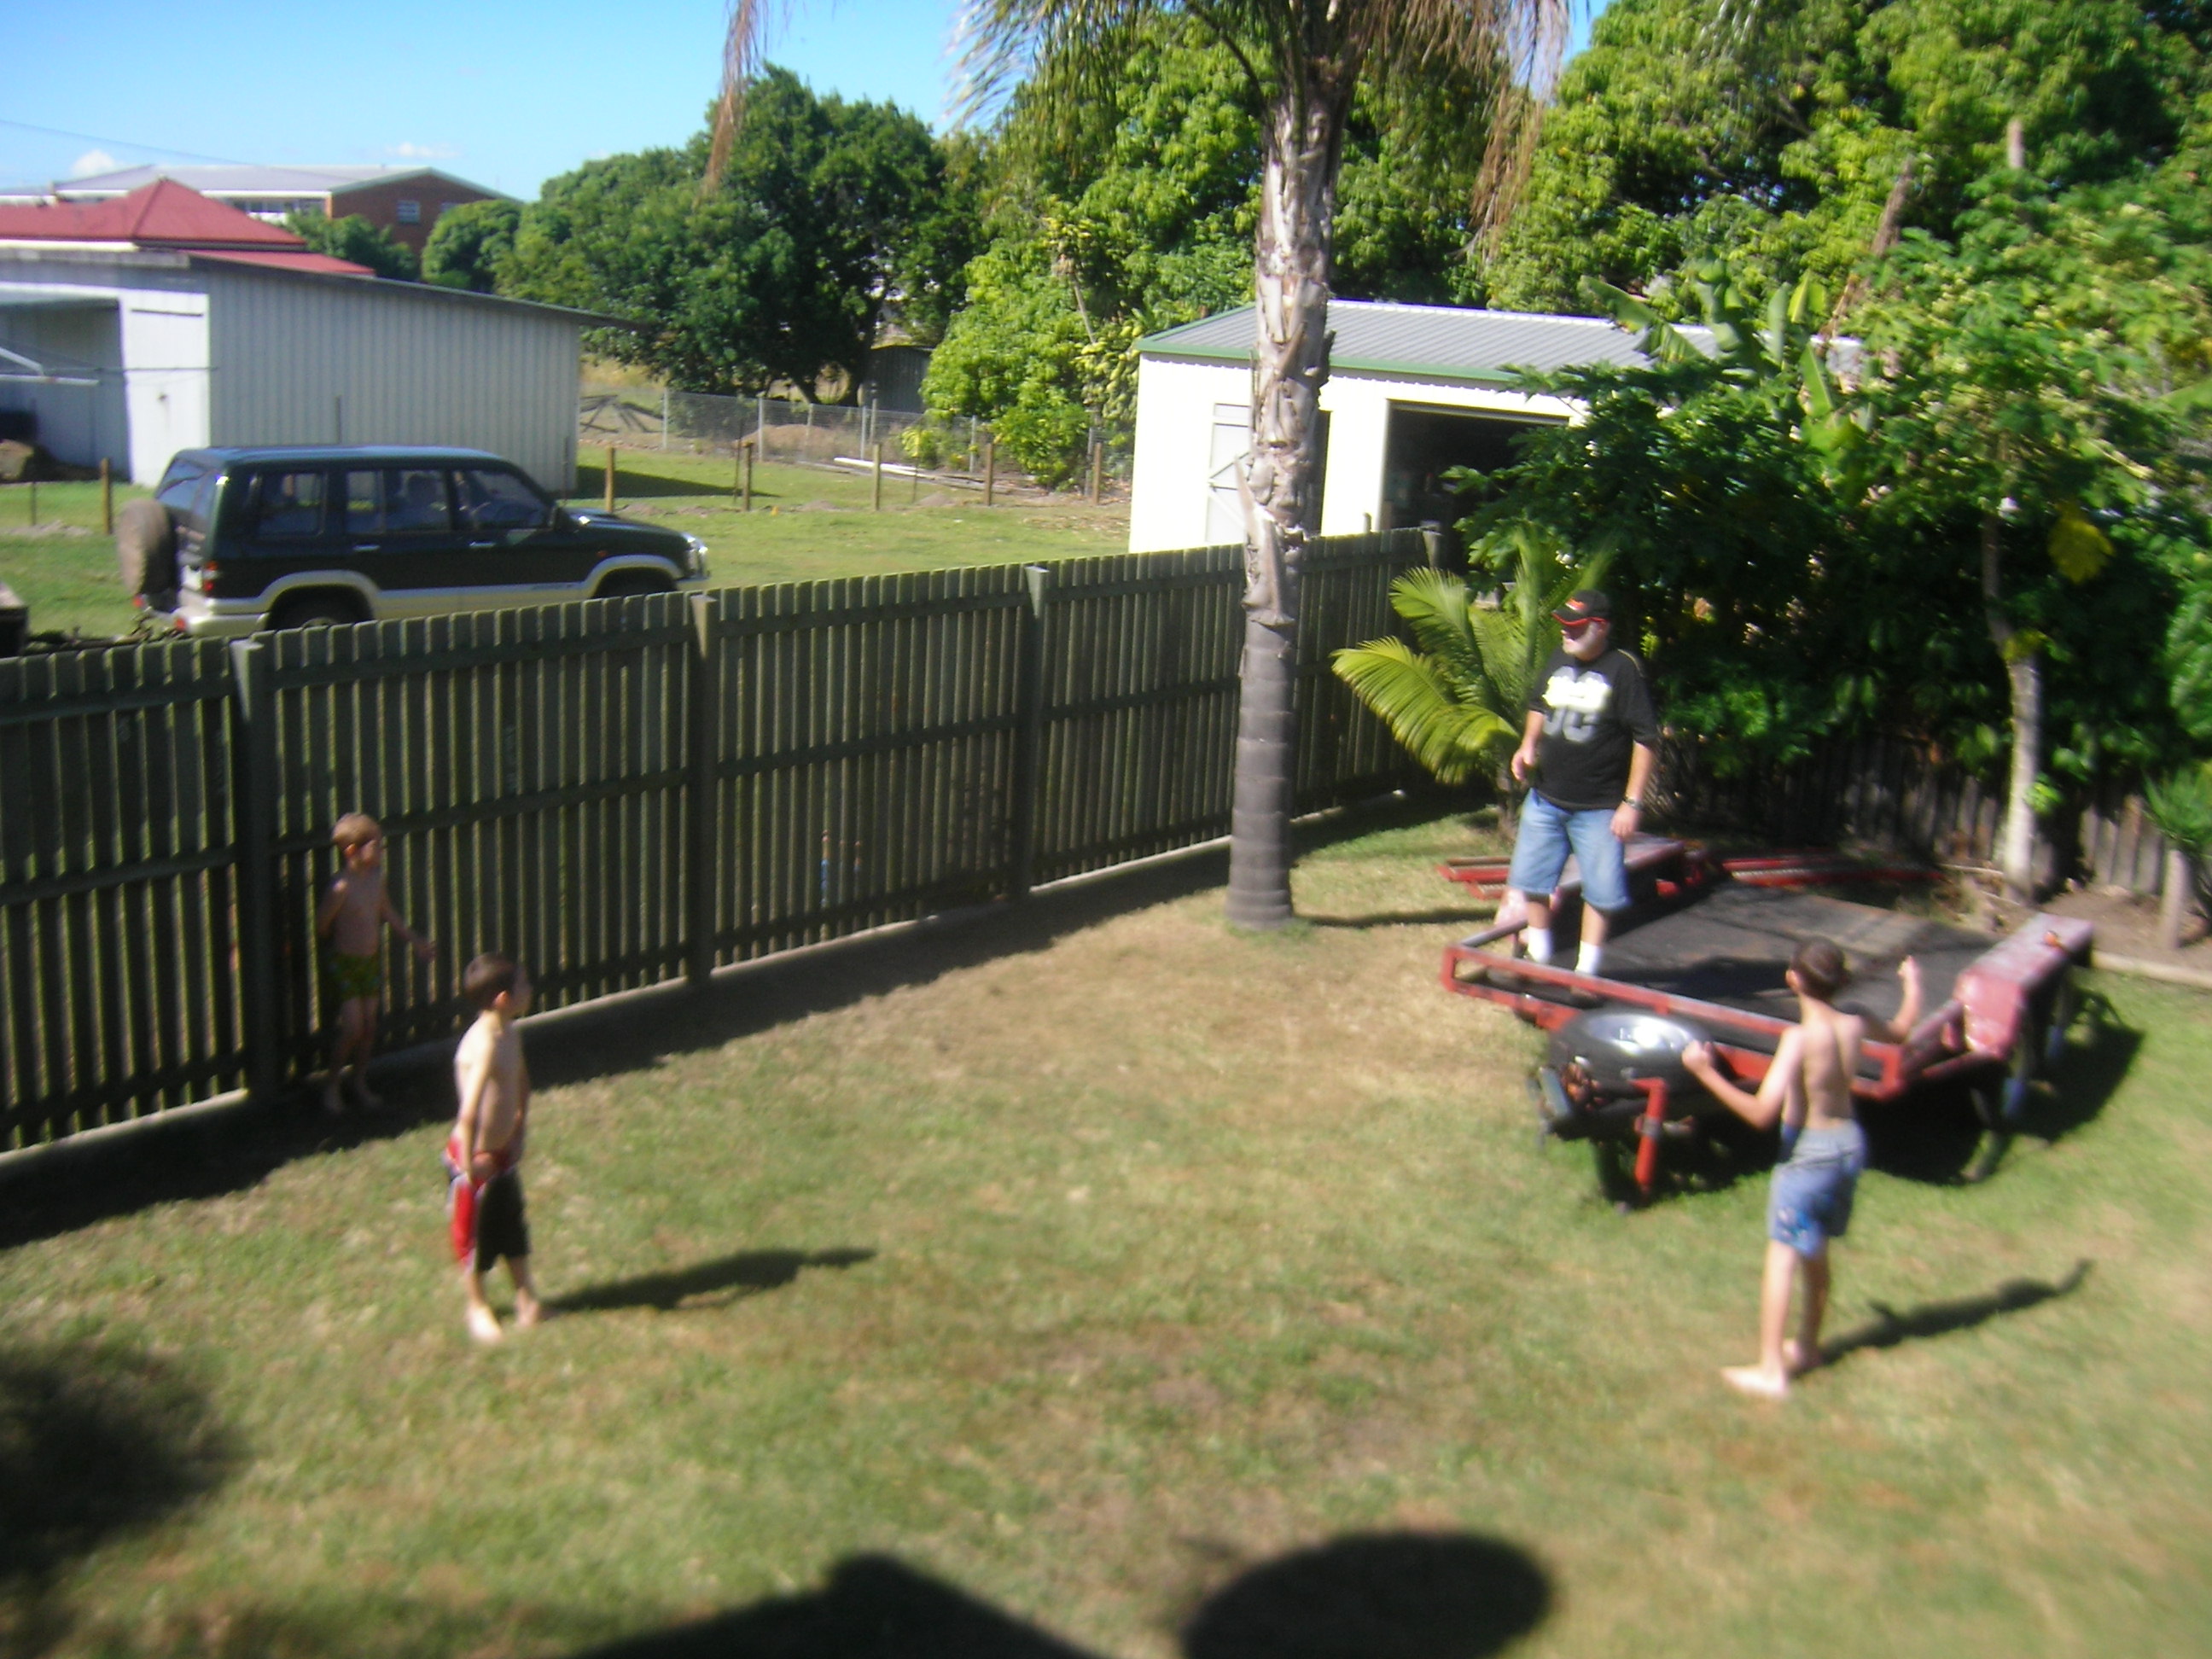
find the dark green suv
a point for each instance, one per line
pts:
(239, 540)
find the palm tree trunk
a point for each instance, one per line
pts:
(1281, 484)
(2024, 676)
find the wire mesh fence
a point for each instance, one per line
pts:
(955, 450)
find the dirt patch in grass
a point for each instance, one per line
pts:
(1087, 1281)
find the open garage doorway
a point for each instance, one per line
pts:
(1424, 442)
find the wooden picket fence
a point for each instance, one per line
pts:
(1883, 792)
(621, 794)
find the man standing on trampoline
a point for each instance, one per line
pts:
(1587, 751)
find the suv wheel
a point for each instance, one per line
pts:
(317, 611)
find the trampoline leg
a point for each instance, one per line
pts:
(1648, 1128)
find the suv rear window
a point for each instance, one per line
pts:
(187, 489)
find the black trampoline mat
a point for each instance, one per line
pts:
(1732, 946)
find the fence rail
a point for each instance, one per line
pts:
(1883, 792)
(621, 793)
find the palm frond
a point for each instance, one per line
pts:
(741, 61)
(1435, 607)
(1453, 739)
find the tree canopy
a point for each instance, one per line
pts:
(468, 242)
(827, 212)
(1680, 134)
(352, 238)
(1129, 205)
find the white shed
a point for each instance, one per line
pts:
(121, 349)
(1413, 389)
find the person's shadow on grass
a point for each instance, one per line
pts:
(97, 1440)
(1891, 1325)
(715, 1284)
(1376, 1595)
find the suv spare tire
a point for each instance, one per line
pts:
(145, 547)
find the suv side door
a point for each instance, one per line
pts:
(400, 533)
(518, 542)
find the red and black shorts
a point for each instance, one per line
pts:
(488, 1221)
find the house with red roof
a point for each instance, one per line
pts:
(136, 326)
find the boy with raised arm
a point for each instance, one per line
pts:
(483, 1157)
(355, 911)
(1809, 1087)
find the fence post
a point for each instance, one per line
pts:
(1029, 740)
(1098, 469)
(699, 851)
(107, 497)
(876, 477)
(610, 478)
(990, 466)
(256, 865)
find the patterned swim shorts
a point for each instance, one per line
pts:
(352, 977)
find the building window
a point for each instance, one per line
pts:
(410, 213)
(445, 208)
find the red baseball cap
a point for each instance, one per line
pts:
(1587, 606)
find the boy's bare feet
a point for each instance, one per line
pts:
(333, 1101)
(483, 1324)
(367, 1098)
(1757, 1380)
(1797, 1359)
(528, 1310)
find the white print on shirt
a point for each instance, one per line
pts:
(1576, 701)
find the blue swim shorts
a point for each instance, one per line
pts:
(1810, 1201)
(1540, 852)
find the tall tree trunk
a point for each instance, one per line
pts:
(1281, 484)
(2024, 676)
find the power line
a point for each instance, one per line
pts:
(125, 143)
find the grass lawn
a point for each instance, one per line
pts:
(806, 524)
(1044, 1286)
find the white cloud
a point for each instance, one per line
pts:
(421, 152)
(92, 161)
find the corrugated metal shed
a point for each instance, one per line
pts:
(190, 349)
(334, 360)
(1434, 343)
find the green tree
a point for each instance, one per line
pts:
(2018, 387)
(780, 273)
(468, 243)
(352, 238)
(1123, 204)
(1781, 146)
(1304, 62)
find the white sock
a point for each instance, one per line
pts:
(1586, 958)
(1539, 943)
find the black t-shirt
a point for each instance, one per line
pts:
(1595, 713)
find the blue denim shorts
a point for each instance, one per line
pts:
(1540, 852)
(1810, 1201)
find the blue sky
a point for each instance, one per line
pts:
(504, 95)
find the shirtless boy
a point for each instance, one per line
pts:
(484, 1157)
(354, 915)
(1809, 1087)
